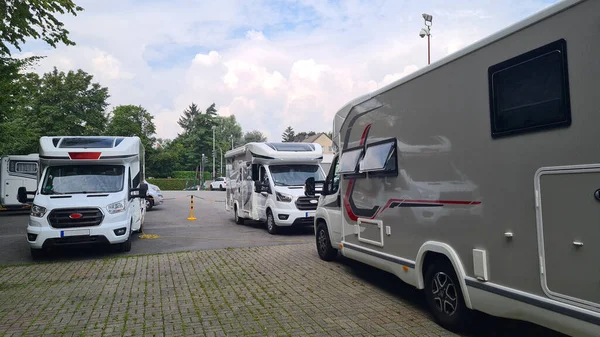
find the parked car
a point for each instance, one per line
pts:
(154, 196)
(218, 183)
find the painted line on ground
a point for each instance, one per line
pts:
(155, 236)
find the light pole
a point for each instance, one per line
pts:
(213, 166)
(427, 32)
(220, 148)
(232, 142)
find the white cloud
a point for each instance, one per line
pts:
(268, 65)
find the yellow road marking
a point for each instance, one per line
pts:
(154, 236)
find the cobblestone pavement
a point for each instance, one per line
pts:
(254, 291)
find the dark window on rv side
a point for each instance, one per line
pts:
(531, 91)
(380, 158)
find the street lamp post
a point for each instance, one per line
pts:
(427, 32)
(213, 166)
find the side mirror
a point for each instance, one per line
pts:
(143, 190)
(22, 194)
(258, 186)
(309, 187)
(140, 192)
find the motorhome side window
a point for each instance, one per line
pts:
(29, 168)
(531, 91)
(380, 158)
(349, 161)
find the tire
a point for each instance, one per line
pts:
(210, 187)
(272, 227)
(221, 187)
(149, 204)
(324, 248)
(37, 254)
(238, 220)
(437, 277)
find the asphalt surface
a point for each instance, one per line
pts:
(166, 229)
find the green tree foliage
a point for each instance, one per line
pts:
(288, 135)
(132, 120)
(254, 136)
(23, 19)
(57, 103)
(70, 104)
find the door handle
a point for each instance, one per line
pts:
(578, 244)
(597, 194)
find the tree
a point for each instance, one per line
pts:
(288, 135)
(131, 120)
(35, 19)
(189, 114)
(55, 104)
(254, 136)
(70, 104)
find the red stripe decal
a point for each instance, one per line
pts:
(363, 138)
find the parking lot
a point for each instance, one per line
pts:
(218, 279)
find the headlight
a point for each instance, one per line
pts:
(283, 197)
(38, 211)
(116, 207)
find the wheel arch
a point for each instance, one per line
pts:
(431, 250)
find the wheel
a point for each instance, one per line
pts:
(210, 187)
(444, 296)
(221, 187)
(324, 248)
(238, 220)
(272, 228)
(37, 254)
(149, 204)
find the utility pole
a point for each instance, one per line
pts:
(221, 161)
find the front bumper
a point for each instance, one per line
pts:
(295, 218)
(44, 236)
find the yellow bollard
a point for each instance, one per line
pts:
(191, 209)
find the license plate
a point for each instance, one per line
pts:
(310, 214)
(74, 232)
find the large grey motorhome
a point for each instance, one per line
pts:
(477, 178)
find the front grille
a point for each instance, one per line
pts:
(304, 204)
(60, 218)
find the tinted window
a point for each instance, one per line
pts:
(349, 161)
(94, 142)
(531, 91)
(378, 156)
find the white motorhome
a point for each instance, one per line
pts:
(265, 182)
(17, 171)
(91, 190)
(477, 178)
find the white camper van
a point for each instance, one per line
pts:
(91, 190)
(477, 178)
(17, 171)
(265, 182)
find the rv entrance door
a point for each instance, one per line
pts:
(569, 231)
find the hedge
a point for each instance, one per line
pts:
(170, 184)
(189, 175)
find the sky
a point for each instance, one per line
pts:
(270, 63)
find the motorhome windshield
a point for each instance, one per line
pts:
(294, 175)
(84, 179)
